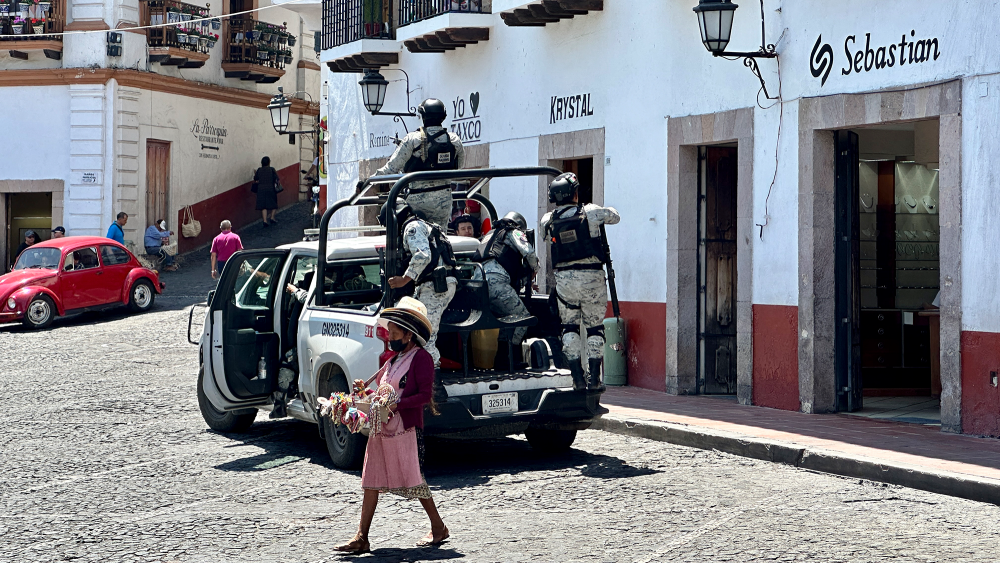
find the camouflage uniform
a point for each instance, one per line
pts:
(435, 206)
(417, 242)
(504, 300)
(582, 294)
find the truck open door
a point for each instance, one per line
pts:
(245, 353)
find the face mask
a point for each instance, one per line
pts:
(397, 345)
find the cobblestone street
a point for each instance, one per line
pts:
(105, 457)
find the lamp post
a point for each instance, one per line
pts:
(373, 87)
(715, 22)
(279, 108)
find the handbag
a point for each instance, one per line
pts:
(278, 188)
(190, 228)
(170, 249)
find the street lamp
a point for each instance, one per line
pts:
(373, 87)
(715, 22)
(279, 108)
(715, 19)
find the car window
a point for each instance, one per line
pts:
(303, 266)
(82, 259)
(353, 285)
(253, 282)
(113, 256)
(47, 258)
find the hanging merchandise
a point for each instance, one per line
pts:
(190, 227)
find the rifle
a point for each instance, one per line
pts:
(611, 274)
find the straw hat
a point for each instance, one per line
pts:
(411, 315)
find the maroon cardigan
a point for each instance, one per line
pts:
(418, 390)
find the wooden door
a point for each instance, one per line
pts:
(717, 270)
(157, 181)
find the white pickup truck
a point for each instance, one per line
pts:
(252, 323)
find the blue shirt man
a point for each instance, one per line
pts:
(153, 241)
(153, 237)
(115, 231)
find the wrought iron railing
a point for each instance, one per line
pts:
(345, 21)
(32, 19)
(256, 42)
(411, 11)
(191, 31)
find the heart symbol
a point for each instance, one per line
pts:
(474, 102)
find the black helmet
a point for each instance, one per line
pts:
(563, 188)
(403, 212)
(517, 219)
(432, 111)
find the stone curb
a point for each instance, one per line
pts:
(969, 487)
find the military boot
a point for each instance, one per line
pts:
(576, 369)
(596, 365)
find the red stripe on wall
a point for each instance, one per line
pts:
(646, 332)
(980, 397)
(237, 205)
(776, 356)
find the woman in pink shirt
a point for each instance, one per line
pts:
(224, 245)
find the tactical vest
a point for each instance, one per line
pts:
(571, 241)
(495, 247)
(440, 250)
(438, 154)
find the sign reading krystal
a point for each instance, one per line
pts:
(569, 107)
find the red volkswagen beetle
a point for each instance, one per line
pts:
(70, 275)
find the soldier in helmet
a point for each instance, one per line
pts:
(430, 268)
(431, 147)
(574, 233)
(509, 261)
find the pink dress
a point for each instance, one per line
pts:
(391, 458)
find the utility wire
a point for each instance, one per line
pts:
(159, 25)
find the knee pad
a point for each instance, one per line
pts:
(596, 331)
(570, 328)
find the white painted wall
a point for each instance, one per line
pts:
(195, 174)
(981, 204)
(44, 154)
(642, 61)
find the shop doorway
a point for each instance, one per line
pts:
(584, 170)
(888, 272)
(157, 180)
(24, 212)
(717, 183)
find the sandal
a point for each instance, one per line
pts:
(432, 541)
(357, 545)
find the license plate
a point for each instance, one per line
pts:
(499, 402)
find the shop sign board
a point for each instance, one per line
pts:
(86, 178)
(466, 120)
(209, 138)
(570, 107)
(863, 54)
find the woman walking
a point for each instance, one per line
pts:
(267, 187)
(394, 456)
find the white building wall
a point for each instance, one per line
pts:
(88, 186)
(643, 61)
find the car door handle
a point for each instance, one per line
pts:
(100, 273)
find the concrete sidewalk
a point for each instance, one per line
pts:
(910, 455)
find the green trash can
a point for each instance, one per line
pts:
(615, 357)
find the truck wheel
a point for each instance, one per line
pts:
(40, 312)
(346, 450)
(550, 441)
(223, 421)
